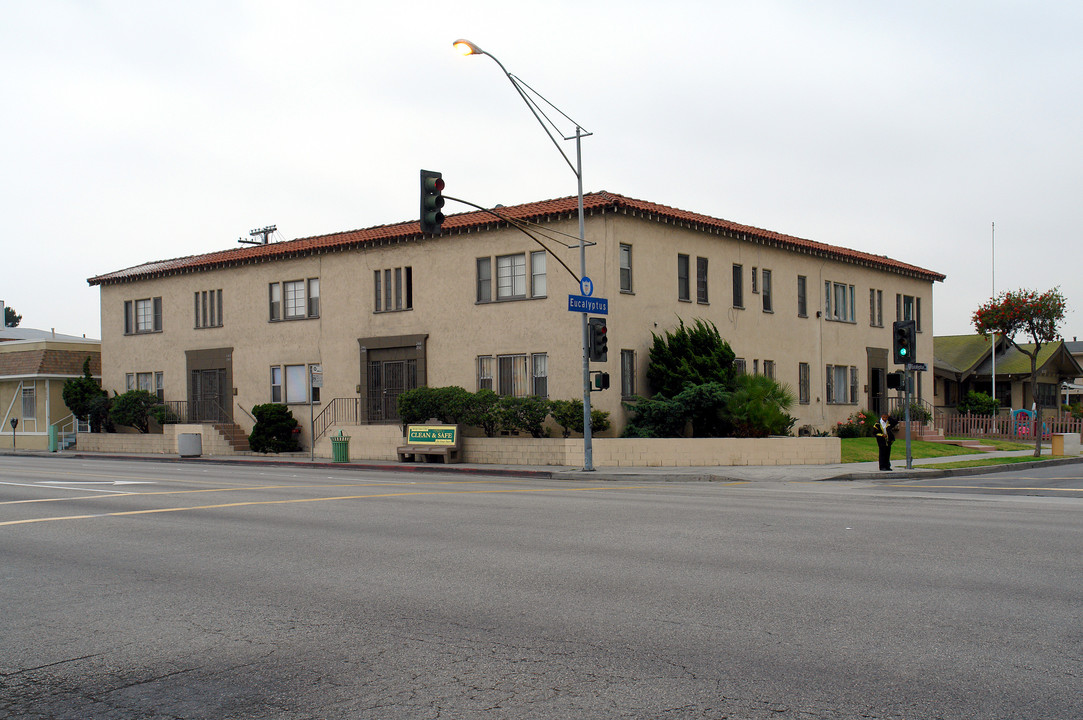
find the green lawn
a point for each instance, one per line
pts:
(1000, 444)
(865, 450)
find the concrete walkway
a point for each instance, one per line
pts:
(768, 473)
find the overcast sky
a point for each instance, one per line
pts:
(141, 130)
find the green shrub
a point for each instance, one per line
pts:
(569, 415)
(978, 403)
(273, 432)
(523, 414)
(419, 405)
(758, 407)
(133, 409)
(656, 417)
(481, 411)
(82, 394)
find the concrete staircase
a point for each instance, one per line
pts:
(234, 435)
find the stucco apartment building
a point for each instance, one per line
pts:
(483, 304)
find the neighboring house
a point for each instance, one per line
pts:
(34, 365)
(1073, 389)
(482, 305)
(964, 363)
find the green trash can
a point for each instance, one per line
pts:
(54, 438)
(340, 448)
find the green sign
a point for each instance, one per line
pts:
(430, 434)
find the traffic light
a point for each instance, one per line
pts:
(904, 334)
(601, 381)
(432, 199)
(597, 338)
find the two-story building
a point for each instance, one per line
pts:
(484, 304)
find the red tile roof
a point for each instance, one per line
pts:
(593, 204)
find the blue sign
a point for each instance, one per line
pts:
(581, 303)
(586, 286)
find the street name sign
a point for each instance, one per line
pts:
(583, 304)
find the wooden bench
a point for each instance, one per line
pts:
(431, 440)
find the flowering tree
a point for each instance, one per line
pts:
(1035, 316)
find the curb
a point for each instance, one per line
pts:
(956, 472)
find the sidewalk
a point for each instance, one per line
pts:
(722, 474)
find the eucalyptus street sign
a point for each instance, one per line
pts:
(583, 304)
(917, 367)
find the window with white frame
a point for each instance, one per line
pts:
(294, 299)
(769, 368)
(393, 289)
(540, 366)
(208, 308)
(513, 281)
(30, 402)
(152, 382)
(625, 268)
(701, 281)
(739, 366)
(291, 384)
(839, 301)
(802, 296)
(510, 277)
(485, 372)
(143, 316)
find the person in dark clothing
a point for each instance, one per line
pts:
(885, 435)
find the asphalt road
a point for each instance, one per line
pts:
(165, 591)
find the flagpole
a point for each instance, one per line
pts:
(993, 277)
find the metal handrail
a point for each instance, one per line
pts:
(338, 411)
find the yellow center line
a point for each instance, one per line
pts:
(125, 493)
(309, 500)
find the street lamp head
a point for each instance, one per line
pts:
(468, 48)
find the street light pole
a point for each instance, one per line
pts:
(468, 48)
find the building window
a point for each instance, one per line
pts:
(839, 301)
(485, 372)
(841, 384)
(802, 296)
(627, 373)
(769, 368)
(876, 307)
(208, 308)
(485, 280)
(1047, 395)
(625, 268)
(143, 316)
(803, 390)
(540, 367)
(129, 381)
(292, 384)
(393, 289)
(294, 299)
(738, 286)
(512, 379)
(276, 384)
(684, 287)
(510, 277)
(701, 280)
(755, 286)
(908, 307)
(159, 386)
(313, 297)
(537, 274)
(739, 366)
(30, 403)
(768, 302)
